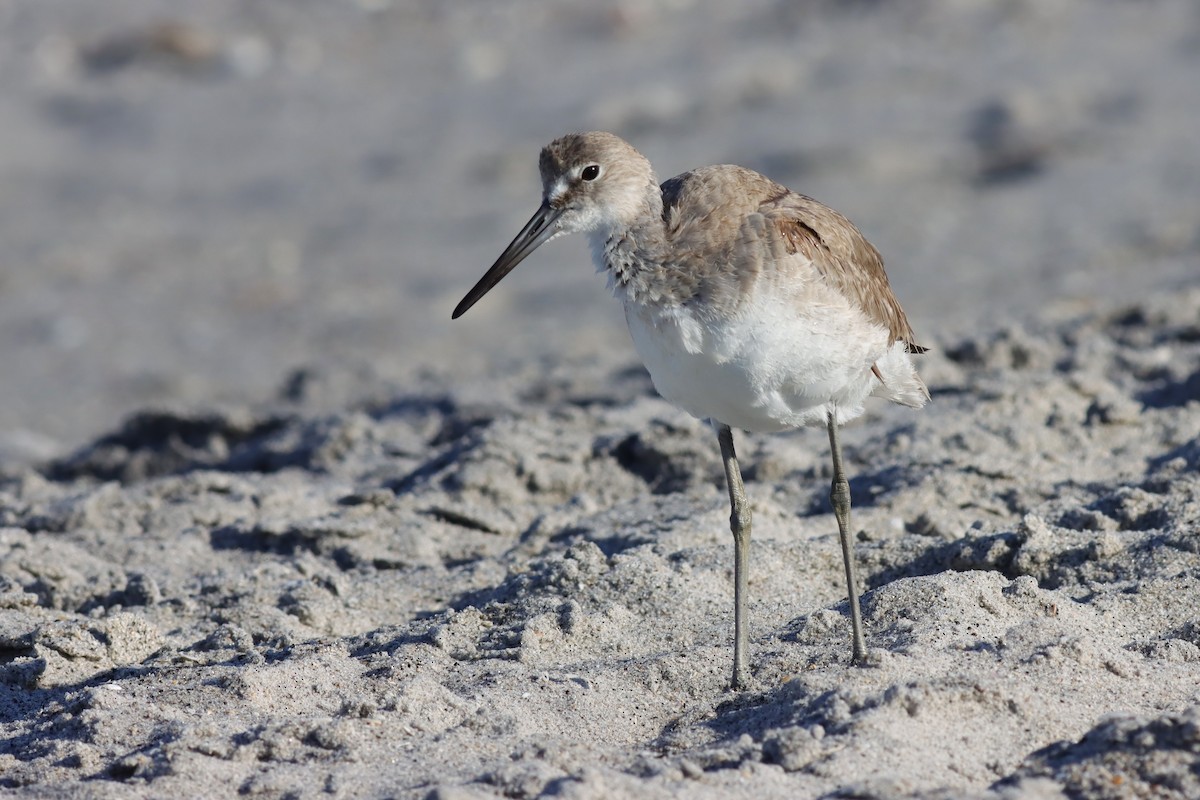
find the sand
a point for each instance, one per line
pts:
(271, 525)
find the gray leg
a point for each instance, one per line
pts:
(739, 523)
(839, 495)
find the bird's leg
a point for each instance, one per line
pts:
(739, 523)
(839, 495)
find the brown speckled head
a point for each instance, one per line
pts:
(591, 183)
(597, 179)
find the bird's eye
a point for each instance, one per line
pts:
(590, 172)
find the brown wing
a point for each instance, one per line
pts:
(843, 256)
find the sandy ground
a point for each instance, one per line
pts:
(270, 525)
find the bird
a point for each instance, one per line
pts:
(753, 307)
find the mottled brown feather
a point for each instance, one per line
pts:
(774, 221)
(844, 258)
(719, 205)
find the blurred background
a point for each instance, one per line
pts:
(197, 199)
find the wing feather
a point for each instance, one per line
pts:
(843, 256)
(762, 221)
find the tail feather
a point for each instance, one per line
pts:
(898, 378)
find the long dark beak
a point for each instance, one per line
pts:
(535, 232)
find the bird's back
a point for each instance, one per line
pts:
(741, 224)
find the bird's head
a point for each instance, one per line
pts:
(591, 183)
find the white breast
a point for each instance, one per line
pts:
(770, 367)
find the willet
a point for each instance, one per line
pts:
(751, 306)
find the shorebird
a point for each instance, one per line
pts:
(752, 307)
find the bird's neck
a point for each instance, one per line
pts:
(632, 254)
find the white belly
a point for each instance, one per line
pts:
(767, 369)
